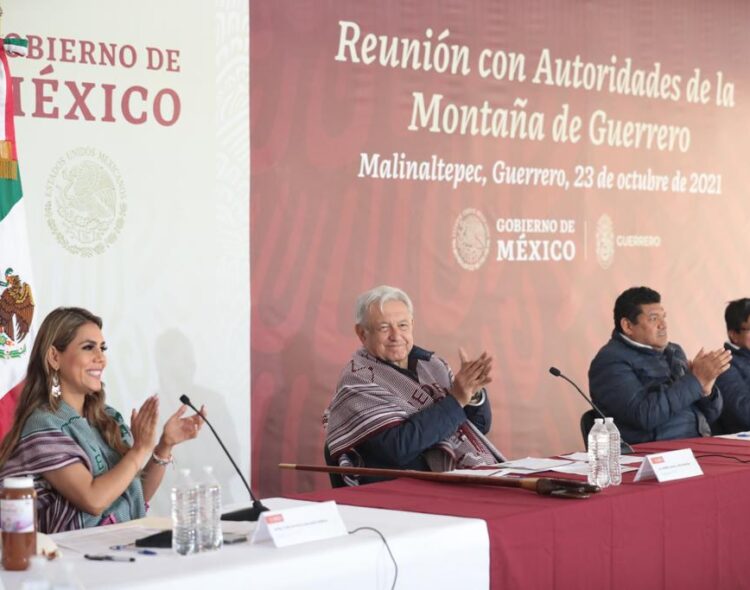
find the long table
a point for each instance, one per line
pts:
(358, 561)
(692, 533)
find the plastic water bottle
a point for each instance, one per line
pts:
(599, 454)
(615, 469)
(209, 512)
(184, 514)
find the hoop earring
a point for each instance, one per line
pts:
(55, 390)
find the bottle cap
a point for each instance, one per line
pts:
(609, 420)
(18, 483)
(598, 421)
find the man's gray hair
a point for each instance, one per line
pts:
(379, 295)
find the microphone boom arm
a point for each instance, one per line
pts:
(583, 395)
(625, 448)
(245, 514)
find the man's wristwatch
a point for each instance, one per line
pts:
(478, 398)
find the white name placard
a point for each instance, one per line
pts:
(669, 466)
(301, 524)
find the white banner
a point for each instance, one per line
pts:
(132, 121)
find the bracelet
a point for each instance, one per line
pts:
(159, 461)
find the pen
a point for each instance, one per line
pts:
(131, 548)
(108, 557)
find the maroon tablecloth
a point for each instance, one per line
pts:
(692, 533)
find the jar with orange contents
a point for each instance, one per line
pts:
(18, 520)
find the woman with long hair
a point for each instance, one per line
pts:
(87, 465)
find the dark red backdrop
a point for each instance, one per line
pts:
(320, 235)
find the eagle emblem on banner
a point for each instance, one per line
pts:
(16, 314)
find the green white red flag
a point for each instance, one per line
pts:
(16, 297)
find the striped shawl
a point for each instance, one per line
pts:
(51, 441)
(372, 396)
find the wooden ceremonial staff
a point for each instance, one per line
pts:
(545, 486)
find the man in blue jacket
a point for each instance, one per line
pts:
(646, 382)
(735, 383)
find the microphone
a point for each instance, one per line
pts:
(254, 511)
(625, 448)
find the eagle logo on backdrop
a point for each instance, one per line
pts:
(605, 241)
(16, 313)
(85, 206)
(471, 239)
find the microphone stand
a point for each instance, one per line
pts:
(244, 514)
(625, 448)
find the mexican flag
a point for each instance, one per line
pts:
(16, 298)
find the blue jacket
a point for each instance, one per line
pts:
(651, 394)
(735, 389)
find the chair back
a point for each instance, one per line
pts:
(337, 481)
(587, 423)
